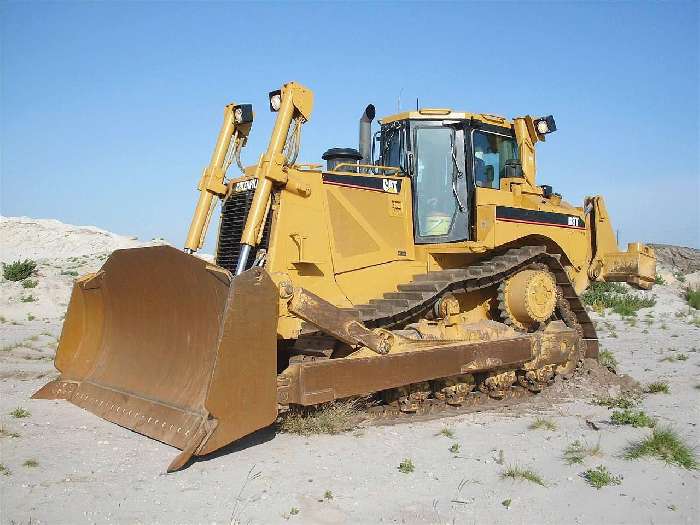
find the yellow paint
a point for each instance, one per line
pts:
(349, 245)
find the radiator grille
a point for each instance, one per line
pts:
(234, 212)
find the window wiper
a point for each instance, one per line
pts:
(456, 176)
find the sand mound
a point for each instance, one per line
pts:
(26, 238)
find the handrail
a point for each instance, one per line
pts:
(367, 166)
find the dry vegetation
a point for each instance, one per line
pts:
(331, 418)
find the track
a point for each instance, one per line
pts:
(415, 299)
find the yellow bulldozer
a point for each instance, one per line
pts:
(424, 267)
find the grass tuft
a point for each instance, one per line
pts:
(20, 412)
(29, 283)
(7, 433)
(676, 357)
(4, 470)
(577, 452)
(600, 477)
(454, 448)
(659, 280)
(328, 495)
(623, 401)
(607, 359)
(636, 418)
(31, 463)
(406, 466)
(657, 387)
(506, 503)
(28, 298)
(332, 418)
(543, 423)
(522, 474)
(616, 296)
(447, 432)
(664, 444)
(18, 270)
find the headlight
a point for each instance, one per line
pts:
(545, 125)
(275, 100)
(243, 114)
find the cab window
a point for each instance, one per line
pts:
(434, 175)
(491, 152)
(392, 147)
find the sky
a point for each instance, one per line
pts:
(109, 111)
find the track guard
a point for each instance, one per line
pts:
(159, 343)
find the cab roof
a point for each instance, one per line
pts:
(447, 114)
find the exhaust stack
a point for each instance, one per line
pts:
(366, 134)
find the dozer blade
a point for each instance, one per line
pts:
(169, 346)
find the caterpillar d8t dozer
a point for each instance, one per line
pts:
(425, 268)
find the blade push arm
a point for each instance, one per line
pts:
(294, 105)
(238, 120)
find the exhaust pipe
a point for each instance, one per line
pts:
(366, 134)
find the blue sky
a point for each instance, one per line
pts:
(110, 110)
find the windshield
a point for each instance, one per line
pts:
(435, 175)
(491, 152)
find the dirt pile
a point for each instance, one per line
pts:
(686, 260)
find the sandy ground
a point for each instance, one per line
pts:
(90, 471)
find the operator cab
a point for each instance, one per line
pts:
(447, 155)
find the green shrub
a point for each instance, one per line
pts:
(657, 387)
(664, 444)
(617, 297)
(406, 466)
(29, 283)
(693, 297)
(543, 423)
(447, 432)
(18, 270)
(636, 418)
(20, 412)
(523, 474)
(577, 451)
(600, 477)
(623, 401)
(607, 359)
(659, 280)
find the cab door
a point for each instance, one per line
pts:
(441, 196)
